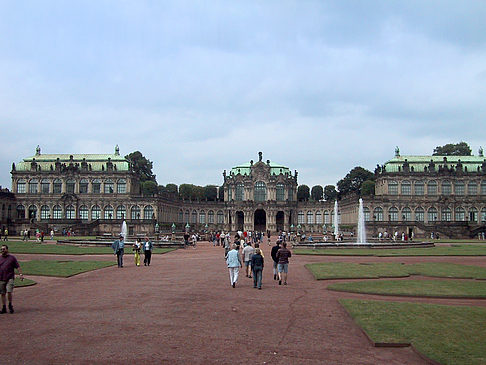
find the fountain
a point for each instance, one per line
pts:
(361, 224)
(124, 231)
(336, 220)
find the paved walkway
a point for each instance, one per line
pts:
(182, 310)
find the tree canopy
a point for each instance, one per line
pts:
(368, 188)
(303, 193)
(453, 149)
(317, 192)
(352, 182)
(330, 192)
(141, 166)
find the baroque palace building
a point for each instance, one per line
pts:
(93, 193)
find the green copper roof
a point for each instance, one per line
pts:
(97, 161)
(419, 163)
(244, 169)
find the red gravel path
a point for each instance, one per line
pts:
(182, 310)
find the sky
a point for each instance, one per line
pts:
(202, 86)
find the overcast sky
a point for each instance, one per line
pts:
(199, 87)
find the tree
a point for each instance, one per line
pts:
(317, 192)
(221, 193)
(149, 187)
(352, 182)
(172, 189)
(186, 191)
(141, 166)
(303, 193)
(210, 192)
(330, 192)
(368, 188)
(451, 149)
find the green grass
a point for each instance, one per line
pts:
(61, 268)
(343, 270)
(453, 250)
(37, 248)
(416, 288)
(446, 334)
(26, 282)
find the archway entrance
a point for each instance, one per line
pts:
(240, 220)
(260, 222)
(280, 221)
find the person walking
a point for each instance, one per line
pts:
(257, 263)
(118, 247)
(136, 249)
(283, 263)
(275, 259)
(247, 252)
(5, 234)
(234, 263)
(8, 264)
(147, 251)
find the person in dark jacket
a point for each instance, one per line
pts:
(275, 259)
(283, 263)
(257, 263)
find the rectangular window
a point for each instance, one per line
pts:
(419, 216)
(446, 189)
(459, 189)
(21, 188)
(121, 188)
(83, 188)
(96, 188)
(406, 189)
(33, 188)
(57, 187)
(472, 188)
(393, 189)
(419, 189)
(45, 187)
(431, 189)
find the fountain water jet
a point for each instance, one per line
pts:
(124, 231)
(336, 220)
(361, 224)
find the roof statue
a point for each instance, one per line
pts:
(480, 151)
(37, 151)
(260, 156)
(117, 150)
(397, 152)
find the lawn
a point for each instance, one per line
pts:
(343, 270)
(38, 248)
(26, 282)
(453, 250)
(416, 288)
(446, 334)
(61, 268)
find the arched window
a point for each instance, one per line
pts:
(432, 187)
(378, 214)
(459, 188)
(230, 194)
(310, 217)
(83, 186)
(392, 187)
(290, 194)
(460, 215)
(186, 216)
(446, 187)
(95, 212)
(96, 186)
(33, 186)
(260, 191)
(57, 186)
(70, 184)
(202, 217)
(393, 214)
(446, 214)
(366, 213)
(20, 211)
(121, 212)
(318, 217)
(472, 188)
(419, 214)
(45, 212)
(135, 213)
(57, 212)
(210, 217)
(121, 186)
(483, 215)
(45, 187)
(300, 218)
(83, 212)
(406, 214)
(181, 216)
(280, 191)
(432, 215)
(240, 189)
(194, 217)
(406, 187)
(33, 211)
(473, 215)
(70, 212)
(108, 212)
(419, 188)
(326, 217)
(148, 212)
(21, 186)
(109, 187)
(220, 217)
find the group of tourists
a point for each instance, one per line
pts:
(252, 257)
(146, 246)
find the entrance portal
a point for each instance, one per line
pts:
(260, 223)
(280, 221)
(240, 220)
